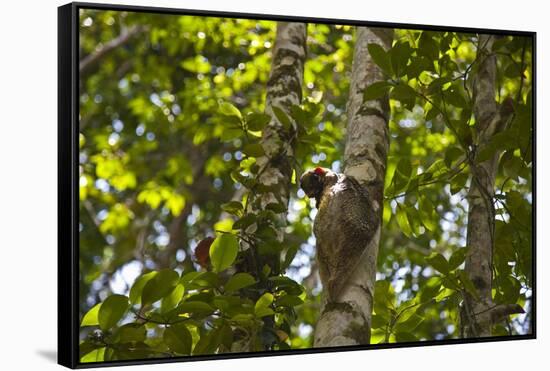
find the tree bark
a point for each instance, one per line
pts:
(348, 321)
(284, 89)
(479, 313)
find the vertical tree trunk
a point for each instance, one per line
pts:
(284, 89)
(479, 313)
(348, 321)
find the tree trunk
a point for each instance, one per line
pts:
(348, 321)
(479, 313)
(284, 89)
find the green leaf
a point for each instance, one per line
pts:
(404, 94)
(432, 114)
(401, 337)
(262, 312)
(437, 84)
(444, 294)
(131, 332)
(233, 208)
(195, 307)
(227, 303)
(159, 286)
(112, 310)
(257, 121)
(189, 277)
(226, 335)
(276, 207)
(377, 90)
(171, 301)
(414, 220)
(243, 318)
(510, 289)
(262, 307)
(451, 155)
(451, 281)
(253, 150)
(228, 109)
(384, 298)
(282, 117)
(458, 258)
(464, 131)
(87, 346)
(230, 134)
(223, 251)
(245, 221)
(380, 57)
(178, 338)
(204, 279)
(428, 214)
(514, 167)
(428, 47)
(401, 175)
(437, 168)
(439, 262)
(499, 142)
(204, 345)
(409, 324)
(300, 116)
(459, 182)
(239, 281)
(90, 318)
(418, 65)
(431, 288)
(289, 301)
(403, 221)
(137, 287)
(96, 355)
(289, 257)
(378, 321)
(399, 55)
(456, 96)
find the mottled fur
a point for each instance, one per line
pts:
(344, 225)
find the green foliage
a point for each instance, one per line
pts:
(172, 155)
(111, 311)
(429, 174)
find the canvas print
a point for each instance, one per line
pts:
(255, 186)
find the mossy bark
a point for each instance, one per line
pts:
(284, 89)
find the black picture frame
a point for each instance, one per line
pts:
(68, 198)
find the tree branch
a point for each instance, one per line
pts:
(92, 59)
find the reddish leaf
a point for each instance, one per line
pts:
(202, 252)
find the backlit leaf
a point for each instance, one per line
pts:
(223, 251)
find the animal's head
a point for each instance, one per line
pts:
(314, 181)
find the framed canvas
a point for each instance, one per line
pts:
(235, 185)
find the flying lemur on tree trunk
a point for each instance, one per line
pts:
(343, 227)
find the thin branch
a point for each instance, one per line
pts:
(522, 74)
(91, 59)
(444, 178)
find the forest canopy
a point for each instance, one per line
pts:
(187, 248)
